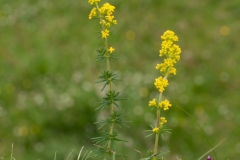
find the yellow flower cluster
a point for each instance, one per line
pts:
(155, 130)
(152, 103)
(164, 104)
(162, 121)
(104, 14)
(161, 83)
(171, 51)
(93, 1)
(93, 13)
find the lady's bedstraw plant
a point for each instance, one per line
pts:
(172, 53)
(105, 142)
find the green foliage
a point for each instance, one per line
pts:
(162, 130)
(111, 98)
(116, 118)
(102, 56)
(108, 77)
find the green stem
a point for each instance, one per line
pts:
(157, 125)
(110, 88)
(111, 110)
(157, 134)
(158, 120)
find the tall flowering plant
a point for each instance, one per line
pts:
(171, 52)
(105, 142)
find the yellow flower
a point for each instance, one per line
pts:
(166, 45)
(155, 130)
(107, 9)
(162, 121)
(152, 102)
(93, 13)
(93, 1)
(109, 18)
(160, 83)
(164, 104)
(173, 71)
(169, 35)
(105, 33)
(111, 49)
(114, 21)
(176, 52)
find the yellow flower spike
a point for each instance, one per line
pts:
(172, 53)
(111, 49)
(155, 130)
(152, 102)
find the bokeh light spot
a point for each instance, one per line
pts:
(143, 92)
(130, 35)
(22, 131)
(224, 30)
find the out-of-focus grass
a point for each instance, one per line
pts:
(48, 95)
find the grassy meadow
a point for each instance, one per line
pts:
(48, 93)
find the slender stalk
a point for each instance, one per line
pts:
(55, 155)
(110, 84)
(157, 134)
(157, 125)
(12, 152)
(158, 121)
(111, 106)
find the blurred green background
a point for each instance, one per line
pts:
(48, 93)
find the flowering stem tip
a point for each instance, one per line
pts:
(171, 52)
